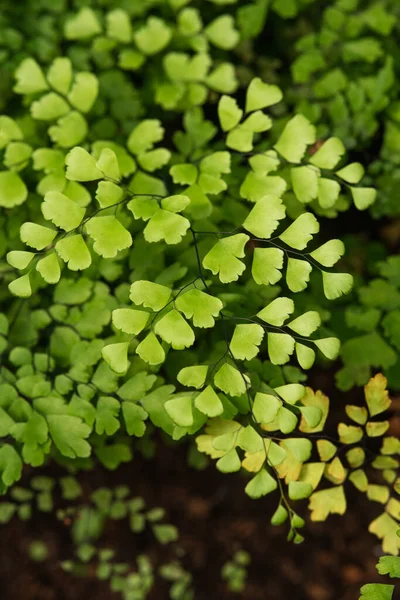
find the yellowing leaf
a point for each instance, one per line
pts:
(376, 395)
(325, 502)
(318, 400)
(385, 527)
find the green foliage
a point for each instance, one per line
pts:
(373, 330)
(87, 519)
(234, 571)
(164, 207)
(345, 75)
(375, 591)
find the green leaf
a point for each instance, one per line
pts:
(223, 79)
(291, 392)
(151, 295)
(19, 259)
(49, 268)
(329, 154)
(150, 350)
(277, 311)
(223, 258)
(287, 420)
(180, 410)
(200, 206)
(222, 33)
(245, 341)
(301, 231)
(6, 423)
(7, 510)
(336, 284)
(280, 516)
(193, 376)
(260, 95)
(129, 320)
(363, 197)
(250, 440)
(81, 166)
(304, 183)
(145, 135)
(229, 113)
(109, 236)
(216, 163)
(230, 380)
(329, 253)
(74, 252)
(312, 415)
(143, 207)
(21, 287)
(257, 122)
(153, 37)
(297, 274)
(261, 485)
(30, 78)
(257, 185)
(389, 565)
(116, 356)
(167, 226)
(267, 265)
(48, 160)
(189, 20)
(69, 435)
(62, 211)
(13, 190)
(9, 130)
(266, 407)
(119, 25)
(49, 107)
(107, 411)
(10, 465)
(154, 159)
(208, 403)
(280, 347)
(328, 192)
(108, 164)
(377, 591)
(230, 463)
(264, 218)
(17, 155)
(329, 347)
(298, 490)
(37, 236)
(200, 307)
(165, 533)
(175, 330)
(84, 91)
(293, 141)
(240, 139)
(84, 24)
(306, 324)
(60, 75)
(134, 417)
(184, 174)
(70, 130)
(352, 173)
